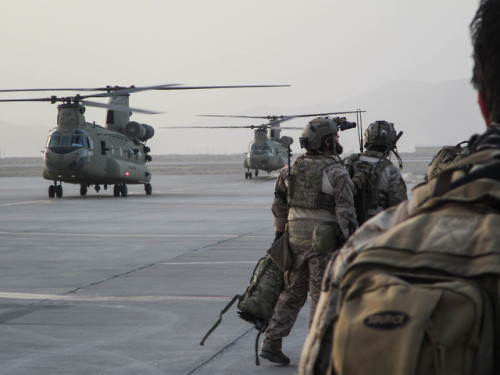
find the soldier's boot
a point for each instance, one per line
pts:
(271, 350)
(275, 357)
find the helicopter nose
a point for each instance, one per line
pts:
(79, 161)
(64, 163)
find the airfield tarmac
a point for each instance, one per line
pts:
(130, 285)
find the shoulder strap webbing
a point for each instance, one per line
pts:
(235, 298)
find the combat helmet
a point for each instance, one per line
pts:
(379, 133)
(315, 130)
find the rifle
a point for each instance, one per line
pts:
(388, 150)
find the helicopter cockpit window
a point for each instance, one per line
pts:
(77, 140)
(90, 144)
(63, 144)
(110, 117)
(261, 148)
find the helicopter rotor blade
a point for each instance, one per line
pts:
(53, 89)
(326, 114)
(116, 107)
(218, 87)
(122, 90)
(263, 117)
(213, 127)
(54, 99)
(272, 117)
(87, 103)
(127, 91)
(262, 126)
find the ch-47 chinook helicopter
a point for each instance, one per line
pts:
(84, 153)
(269, 151)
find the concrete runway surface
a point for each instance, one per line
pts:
(130, 285)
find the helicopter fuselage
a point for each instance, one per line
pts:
(84, 153)
(93, 155)
(267, 156)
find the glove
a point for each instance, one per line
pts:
(277, 235)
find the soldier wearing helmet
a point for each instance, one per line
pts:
(378, 183)
(314, 204)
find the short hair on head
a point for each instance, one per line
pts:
(485, 35)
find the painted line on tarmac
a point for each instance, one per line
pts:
(21, 203)
(202, 188)
(120, 235)
(203, 263)
(59, 234)
(70, 297)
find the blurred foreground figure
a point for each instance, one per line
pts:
(416, 289)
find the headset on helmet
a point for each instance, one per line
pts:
(315, 130)
(380, 133)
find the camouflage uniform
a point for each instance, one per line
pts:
(308, 266)
(390, 189)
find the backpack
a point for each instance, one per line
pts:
(422, 297)
(256, 305)
(445, 157)
(365, 179)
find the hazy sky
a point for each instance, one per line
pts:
(327, 51)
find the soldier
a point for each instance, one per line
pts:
(458, 212)
(378, 183)
(314, 203)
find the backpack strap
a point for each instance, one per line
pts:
(235, 298)
(257, 362)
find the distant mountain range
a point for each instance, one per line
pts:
(428, 113)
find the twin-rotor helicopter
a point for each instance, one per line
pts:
(269, 151)
(84, 153)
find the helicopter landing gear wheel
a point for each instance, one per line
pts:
(59, 191)
(148, 188)
(116, 190)
(124, 190)
(83, 190)
(52, 191)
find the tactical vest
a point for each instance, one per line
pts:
(304, 183)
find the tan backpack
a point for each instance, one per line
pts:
(423, 297)
(445, 157)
